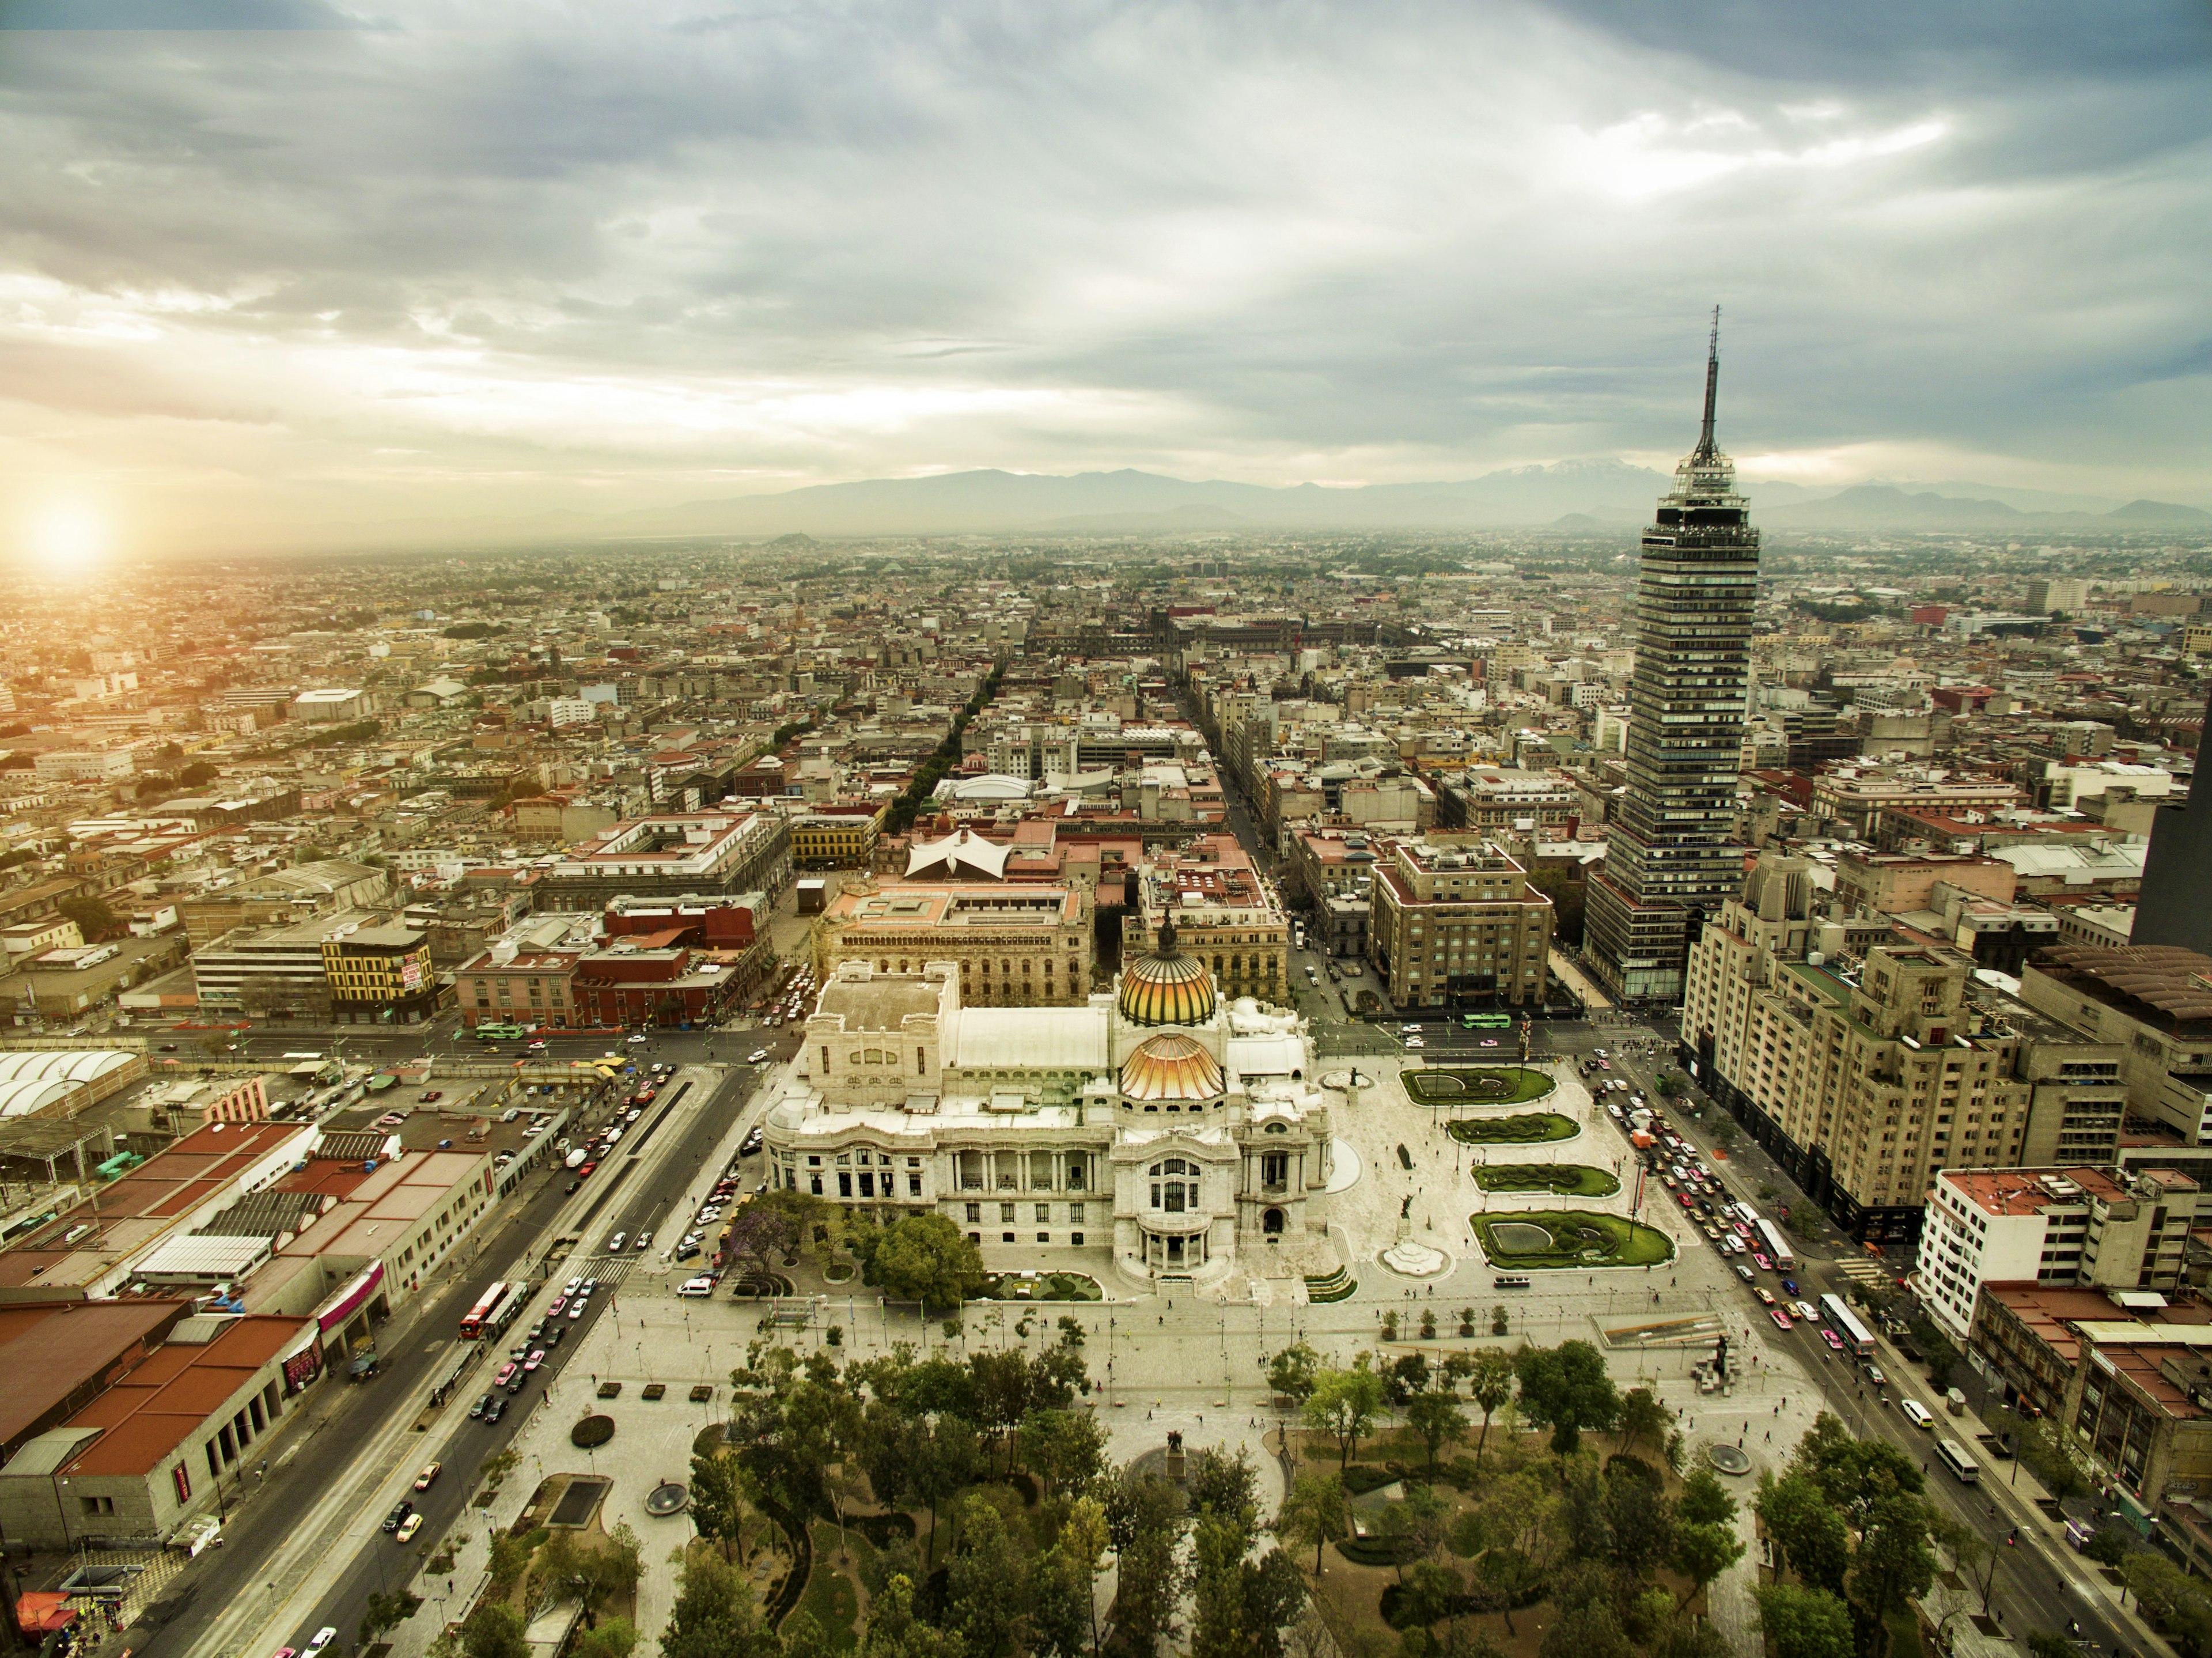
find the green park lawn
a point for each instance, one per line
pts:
(1576, 1238)
(1476, 1084)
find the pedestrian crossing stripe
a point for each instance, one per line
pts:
(1865, 1272)
(610, 1269)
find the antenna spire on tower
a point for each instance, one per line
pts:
(1712, 384)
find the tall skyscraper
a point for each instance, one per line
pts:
(2175, 904)
(1672, 858)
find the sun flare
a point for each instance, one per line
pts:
(65, 540)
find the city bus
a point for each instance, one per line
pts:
(1486, 1020)
(1778, 1247)
(501, 1033)
(1953, 1456)
(473, 1320)
(1855, 1336)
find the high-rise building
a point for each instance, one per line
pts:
(2175, 907)
(1671, 855)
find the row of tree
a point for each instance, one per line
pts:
(1022, 1514)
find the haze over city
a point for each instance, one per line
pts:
(417, 274)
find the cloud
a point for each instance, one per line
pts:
(557, 256)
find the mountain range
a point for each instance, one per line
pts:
(1589, 496)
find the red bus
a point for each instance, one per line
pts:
(484, 1317)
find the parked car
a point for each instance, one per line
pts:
(751, 1143)
(434, 1096)
(695, 1286)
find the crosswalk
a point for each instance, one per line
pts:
(605, 1270)
(1867, 1273)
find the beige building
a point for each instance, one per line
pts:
(1016, 944)
(1224, 915)
(2153, 1002)
(1455, 924)
(1863, 1078)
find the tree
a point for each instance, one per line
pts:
(714, 1615)
(987, 1590)
(1566, 1389)
(1642, 1415)
(1970, 1553)
(1291, 1372)
(762, 1234)
(1810, 1536)
(1490, 1383)
(383, 1613)
(944, 1462)
(1065, 1449)
(720, 1488)
(1892, 1565)
(1418, 1523)
(1344, 1404)
(613, 1637)
(198, 773)
(926, 1258)
(1803, 1623)
(1704, 1501)
(1703, 1553)
(1082, 1540)
(494, 1629)
(1436, 1416)
(93, 917)
(894, 1631)
(1316, 1511)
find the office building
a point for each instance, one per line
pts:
(1672, 859)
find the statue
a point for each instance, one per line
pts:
(1406, 1209)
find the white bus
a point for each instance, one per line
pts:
(1856, 1338)
(1778, 1247)
(1953, 1456)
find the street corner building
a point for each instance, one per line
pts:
(1157, 1122)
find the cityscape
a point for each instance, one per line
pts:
(718, 930)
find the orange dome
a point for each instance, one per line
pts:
(1172, 1066)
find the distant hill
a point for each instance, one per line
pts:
(953, 503)
(2159, 511)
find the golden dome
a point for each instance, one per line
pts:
(1167, 986)
(1170, 1066)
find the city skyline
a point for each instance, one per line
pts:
(333, 280)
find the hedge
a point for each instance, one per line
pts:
(1624, 1242)
(1530, 1128)
(1573, 1179)
(1489, 1084)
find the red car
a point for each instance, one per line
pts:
(1832, 1339)
(1685, 1200)
(506, 1374)
(1781, 1319)
(585, 1169)
(560, 1305)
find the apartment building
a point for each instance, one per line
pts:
(1865, 1076)
(379, 974)
(1456, 924)
(507, 984)
(667, 856)
(2110, 1228)
(1542, 806)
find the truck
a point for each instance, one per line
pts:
(576, 1158)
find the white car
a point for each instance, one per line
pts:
(695, 1286)
(324, 1637)
(1415, 1041)
(1918, 1414)
(757, 1056)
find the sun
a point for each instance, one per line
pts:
(67, 540)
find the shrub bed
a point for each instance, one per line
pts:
(1569, 1180)
(592, 1432)
(1379, 1551)
(1527, 1128)
(1363, 1477)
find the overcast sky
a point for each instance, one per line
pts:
(332, 268)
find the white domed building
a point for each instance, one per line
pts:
(1154, 1124)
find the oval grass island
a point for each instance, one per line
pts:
(1540, 1240)
(1527, 1128)
(1566, 1179)
(1476, 1084)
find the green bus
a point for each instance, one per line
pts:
(493, 1033)
(1486, 1020)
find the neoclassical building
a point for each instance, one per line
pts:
(1156, 1119)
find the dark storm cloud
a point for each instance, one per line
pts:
(1275, 240)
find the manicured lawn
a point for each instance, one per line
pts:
(1569, 1180)
(1551, 1238)
(1476, 1084)
(1528, 1128)
(829, 1598)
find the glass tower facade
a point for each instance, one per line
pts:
(1672, 857)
